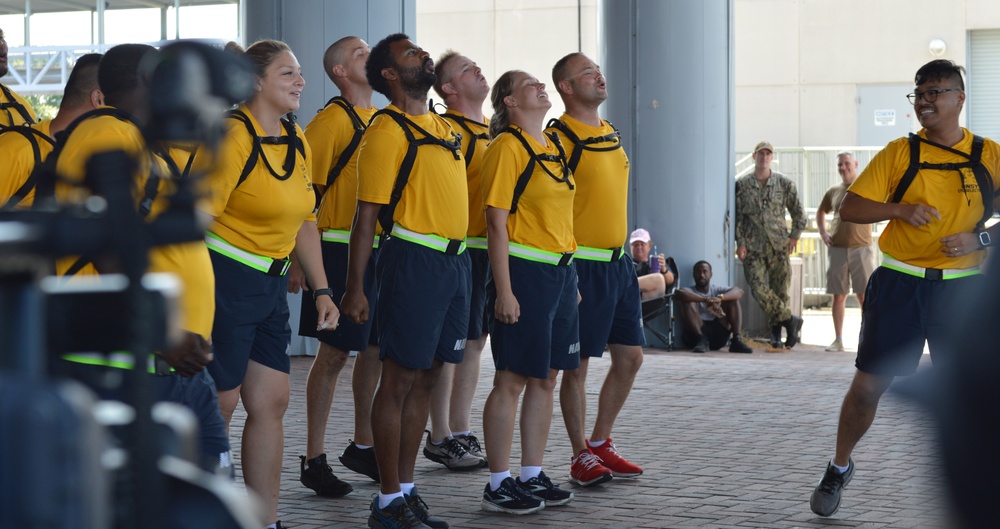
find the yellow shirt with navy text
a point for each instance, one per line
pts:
(955, 196)
(263, 215)
(544, 216)
(329, 133)
(600, 208)
(435, 199)
(19, 161)
(474, 170)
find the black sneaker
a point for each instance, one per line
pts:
(319, 477)
(510, 498)
(542, 488)
(360, 461)
(396, 515)
(471, 445)
(703, 345)
(825, 498)
(776, 337)
(737, 345)
(419, 508)
(793, 326)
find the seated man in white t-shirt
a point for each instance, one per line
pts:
(711, 313)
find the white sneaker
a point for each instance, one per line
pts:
(836, 346)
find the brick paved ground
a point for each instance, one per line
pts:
(727, 441)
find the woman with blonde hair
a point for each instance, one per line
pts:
(262, 201)
(535, 333)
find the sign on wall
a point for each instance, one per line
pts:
(885, 118)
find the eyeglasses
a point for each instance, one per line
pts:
(930, 96)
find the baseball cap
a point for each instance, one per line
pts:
(763, 145)
(639, 235)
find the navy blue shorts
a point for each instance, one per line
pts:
(901, 311)
(478, 322)
(547, 335)
(610, 309)
(251, 322)
(348, 336)
(422, 305)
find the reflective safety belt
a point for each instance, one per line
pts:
(271, 267)
(539, 256)
(434, 242)
(479, 243)
(934, 274)
(599, 254)
(157, 365)
(341, 236)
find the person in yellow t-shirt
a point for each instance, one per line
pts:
(932, 248)
(535, 331)
(423, 269)
(334, 136)
(463, 88)
(610, 311)
(14, 110)
(80, 95)
(259, 221)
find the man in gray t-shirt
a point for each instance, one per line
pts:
(711, 314)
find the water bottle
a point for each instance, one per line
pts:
(654, 262)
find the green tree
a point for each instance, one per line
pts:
(45, 106)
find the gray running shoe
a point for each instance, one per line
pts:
(451, 454)
(471, 445)
(825, 498)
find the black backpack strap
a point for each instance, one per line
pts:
(587, 144)
(359, 129)
(12, 102)
(525, 176)
(257, 152)
(474, 138)
(33, 136)
(983, 179)
(387, 211)
(911, 170)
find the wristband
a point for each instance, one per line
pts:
(322, 292)
(984, 239)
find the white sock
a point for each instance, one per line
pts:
(385, 499)
(529, 473)
(362, 447)
(406, 489)
(496, 478)
(463, 432)
(595, 444)
(840, 468)
(272, 526)
(840, 338)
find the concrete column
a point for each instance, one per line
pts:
(670, 84)
(309, 26)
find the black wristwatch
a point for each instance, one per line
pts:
(984, 238)
(322, 292)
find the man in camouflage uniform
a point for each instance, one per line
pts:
(764, 243)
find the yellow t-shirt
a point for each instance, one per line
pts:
(435, 198)
(263, 215)
(960, 208)
(19, 161)
(474, 168)
(600, 209)
(329, 134)
(10, 116)
(544, 216)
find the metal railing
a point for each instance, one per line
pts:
(43, 69)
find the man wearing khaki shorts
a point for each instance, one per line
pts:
(852, 256)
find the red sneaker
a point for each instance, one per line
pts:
(610, 458)
(587, 470)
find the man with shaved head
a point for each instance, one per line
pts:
(335, 135)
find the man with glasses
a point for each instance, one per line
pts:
(763, 242)
(941, 182)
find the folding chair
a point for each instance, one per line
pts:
(659, 315)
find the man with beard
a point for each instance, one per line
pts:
(411, 179)
(936, 189)
(711, 314)
(14, 110)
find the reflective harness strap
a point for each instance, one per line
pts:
(479, 243)
(927, 273)
(434, 242)
(539, 256)
(271, 267)
(341, 236)
(599, 254)
(157, 366)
